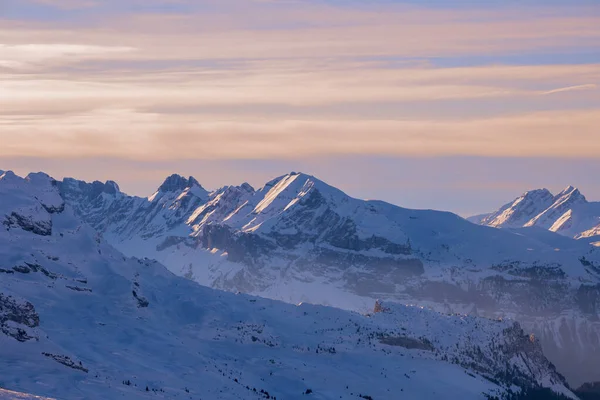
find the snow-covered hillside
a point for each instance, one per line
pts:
(298, 239)
(568, 213)
(78, 319)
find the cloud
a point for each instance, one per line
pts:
(69, 4)
(201, 81)
(127, 134)
(35, 56)
(205, 30)
(571, 88)
(292, 83)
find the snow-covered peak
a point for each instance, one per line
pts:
(519, 211)
(176, 186)
(177, 182)
(247, 187)
(39, 178)
(91, 190)
(568, 213)
(9, 177)
(292, 187)
(302, 179)
(536, 194)
(282, 189)
(571, 194)
(569, 189)
(561, 209)
(15, 188)
(28, 203)
(112, 187)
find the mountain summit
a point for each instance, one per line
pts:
(177, 182)
(568, 213)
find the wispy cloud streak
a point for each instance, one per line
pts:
(124, 78)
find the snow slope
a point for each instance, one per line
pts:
(78, 319)
(298, 239)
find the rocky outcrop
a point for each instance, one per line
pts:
(29, 224)
(67, 362)
(16, 317)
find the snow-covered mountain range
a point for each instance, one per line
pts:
(78, 319)
(568, 213)
(297, 239)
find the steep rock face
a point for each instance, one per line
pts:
(108, 326)
(299, 239)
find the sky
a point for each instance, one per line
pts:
(451, 105)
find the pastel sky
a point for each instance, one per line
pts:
(453, 105)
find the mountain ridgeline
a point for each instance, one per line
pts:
(79, 319)
(298, 239)
(568, 213)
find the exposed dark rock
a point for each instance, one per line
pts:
(78, 289)
(142, 302)
(67, 362)
(14, 313)
(33, 267)
(240, 247)
(54, 209)
(39, 227)
(407, 342)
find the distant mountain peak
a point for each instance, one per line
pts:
(571, 193)
(177, 182)
(519, 211)
(38, 176)
(112, 187)
(8, 176)
(568, 213)
(537, 192)
(569, 189)
(275, 181)
(93, 190)
(247, 187)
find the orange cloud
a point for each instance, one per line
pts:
(294, 83)
(132, 135)
(123, 85)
